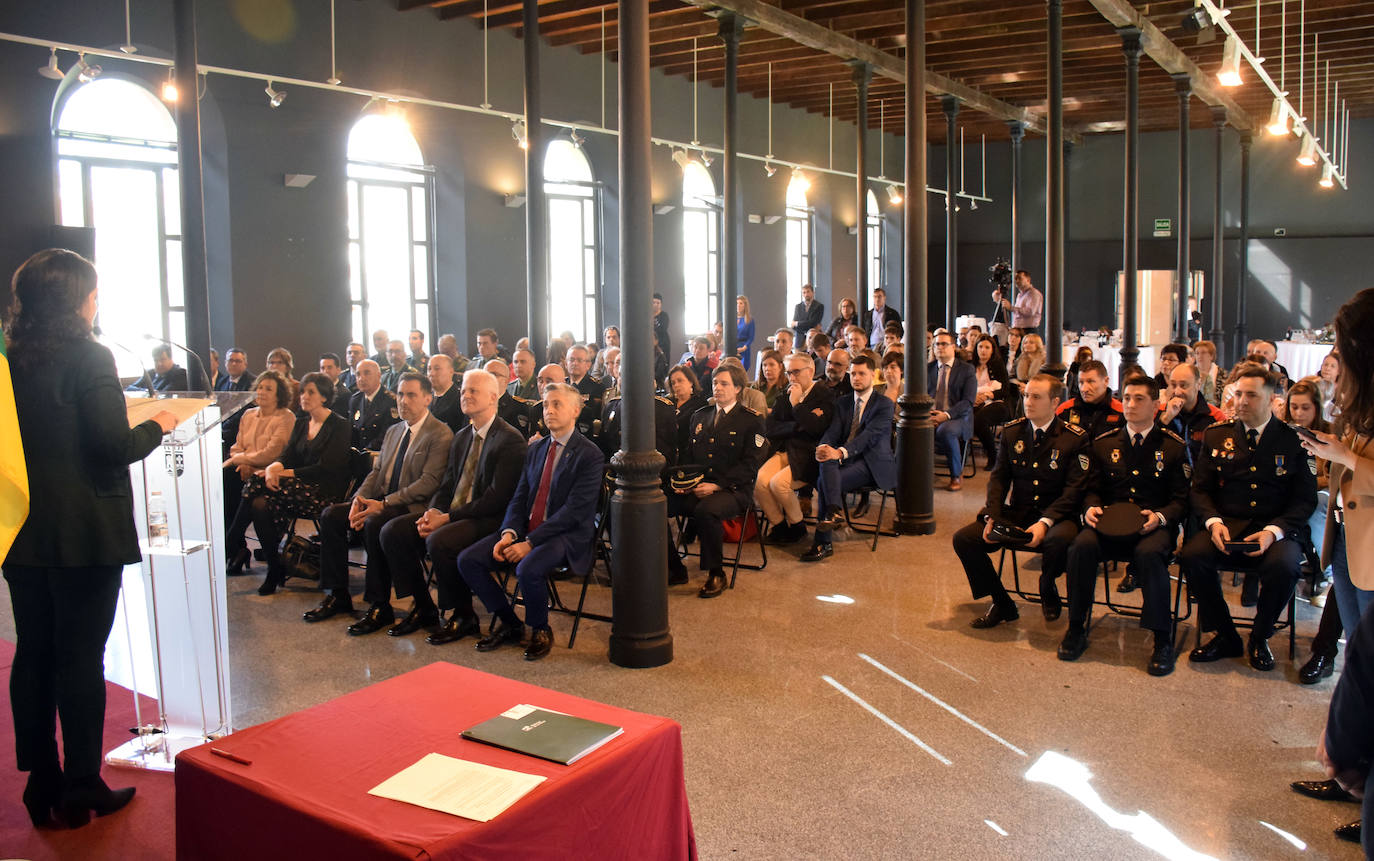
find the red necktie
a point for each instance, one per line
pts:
(541, 498)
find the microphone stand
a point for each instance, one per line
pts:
(204, 375)
(100, 336)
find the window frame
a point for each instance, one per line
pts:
(708, 212)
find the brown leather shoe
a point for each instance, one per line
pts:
(956, 485)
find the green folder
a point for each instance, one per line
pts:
(546, 734)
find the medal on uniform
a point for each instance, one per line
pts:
(1278, 465)
(1020, 446)
(394, 414)
(1054, 459)
(1083, 462)
(357, 415)
(698, 430)
(1073, 418)
(1229, 444)
(1116, 455)
(758, 440)
(1159, 461)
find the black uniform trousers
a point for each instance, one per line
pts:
(62, 617)
(1201, 563)
(1149, 559)
(334, 550)
(403, 546)
(708, 515)
(973, 552)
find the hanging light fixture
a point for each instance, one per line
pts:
(51, 71)
(128, 47)
(769, 168)
(706, 158)
(1307, 156)
(169, 86)
(274, 97)
(88, 72)
(681, 158)
(517, 131)
(1229, 75)
(1326, 181)
(1278, 118)
(894, 195)
(577, 139)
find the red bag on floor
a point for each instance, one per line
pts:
(748, 524)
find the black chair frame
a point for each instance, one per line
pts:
(736, 562)
(876, 527)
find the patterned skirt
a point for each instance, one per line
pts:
(291, 500)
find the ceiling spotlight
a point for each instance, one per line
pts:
(88, 72)
(1229, 74)
(894, 194)
(680, 158)
(517, 131)
(973, 204)
(769, 168)
(577, 139)
(1196, 20)
(1307, 156)
(1326, 181)
(334, 80)
(800, 178)
(1278, 118)
(169, 86)
(274, 97)
(706, 158)
(51, 71)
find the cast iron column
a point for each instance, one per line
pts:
(639, 549)
(951, 107)
(1215, 286)
(915, 433)
(863, 73)
(731, 25)
(536, 204)
(1018, 134)
(194, 274)
(1242, 330)
(1054, 196)
(1130, 337)
(1183, 83)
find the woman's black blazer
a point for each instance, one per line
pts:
(325, 463)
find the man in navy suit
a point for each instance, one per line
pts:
(235, 376)
(954, 385)
(548, 523)
(855, 452)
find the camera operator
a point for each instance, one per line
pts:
(1025, 311)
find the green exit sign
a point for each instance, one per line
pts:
(1163, 227)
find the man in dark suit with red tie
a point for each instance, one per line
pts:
(549, 523)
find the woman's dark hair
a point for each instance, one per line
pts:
(782, 371)
(996, 351)
(557, 352)
(1309, 388)
(283, 390)
(1082, 355)
(322, 384)
(894, 357)
(47, 292)
(1354, 327)
(688, 373)
(285, 355)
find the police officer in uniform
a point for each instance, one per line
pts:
(1094, 410)
(1145, 464)
(606, 430)
(1253, 482)
(727, 441)
(1044, 461)
(372, 409)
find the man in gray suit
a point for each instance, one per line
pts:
(404, 476)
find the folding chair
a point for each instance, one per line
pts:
(875, 528)
(1249, 622)
(735, 562)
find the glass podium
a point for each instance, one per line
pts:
(170, 639)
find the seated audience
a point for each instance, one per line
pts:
(700, 362)
(397, 367)
(610, 363)
(353, 354)
(1081, 356)
(261, 437)
(380, 339)
(166, 375)
(235, 377)
(782, 341)
(447, 404)
(749, 396)
(794, 428)
(954, 387)
(1030, 360)
(488, 348)
(772, 379)
(893, 366)
(818, 345)
(372, 409)
(1094, 410)
(837, 372)
(1170, 357)
(524, 385)
(1211, 376)
(1327, 379)
(419, 359)
(687, 398)
(990, 408)
(846, 315)
(331, 368)
(856, 341)
(1186, 412)
(279, 359)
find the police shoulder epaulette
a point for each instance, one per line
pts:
(1015, 422)
(1224, 423)
(1102, 435)
(662, 400)
(1173, 436)
(1073, 428)
(525, 401)
(753, 411)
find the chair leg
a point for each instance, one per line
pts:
(577, 616)
(878, 524)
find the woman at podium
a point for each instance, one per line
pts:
(67, 561)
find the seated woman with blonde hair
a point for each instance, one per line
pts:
(262, 435)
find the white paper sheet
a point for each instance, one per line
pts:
(467, 789)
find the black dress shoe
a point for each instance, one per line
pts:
(1050, 604)
(43, 795)
(500, 634)
(414, 621)
(1074, 645)
(1127, 583)
(1317, 668)
(677, 575)
(92, 796)
(377, 617)
(1260, 657)
(715, 584)
(331, 606)
(995, 615)
(456, 628)
(860, 507)
(1220, 646)
(778, 534)
(818, 552)
(1350, 831)
(541, 642)
(238, 562)
(796, 532)
(1322, 790)
(830, 520)
(1161, 660)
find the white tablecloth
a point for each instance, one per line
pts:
(1302, 360)
(1111, 357)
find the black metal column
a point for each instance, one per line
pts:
(639, 547)
(1243, 277)
(1215, 286)
(1018, 135)
(951, 108)
(863, 74)
(915, 433)
(1183, 83)
(1130, 252)
(195, 276)
(731, 25)
(536, 203)
(1054, 195)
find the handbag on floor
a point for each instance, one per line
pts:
(301, 557)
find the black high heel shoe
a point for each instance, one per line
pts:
(275, 577)
(42, 796)
(92, 796)
(238, 563)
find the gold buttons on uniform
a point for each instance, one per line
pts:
(1252, 503)
(1135, 472)
(1252, 469)
(1254, 487)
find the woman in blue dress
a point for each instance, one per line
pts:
(744, 334)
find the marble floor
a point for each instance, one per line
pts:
(877, 724)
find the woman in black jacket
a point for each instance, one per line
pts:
(992, 403)
(66, 564)
(848, 316)
(313, 472)
(685, 393)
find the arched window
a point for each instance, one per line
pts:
(875, 243)
(574, 234)
(390, 229)
(117, 174)
(700, 250)
(798, 249)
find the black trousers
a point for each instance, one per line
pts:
(708, 517)
(986, 420)
(1202, 562)
(1327, 641)
(1149, 558)
(233, 494)
(403, 546)
(973, 552)
(334, 550)
(62, 617)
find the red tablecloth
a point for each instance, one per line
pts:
(305, 794)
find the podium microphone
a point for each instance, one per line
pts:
(209, 386)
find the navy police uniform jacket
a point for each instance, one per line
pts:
(1154, 475)
(1032, 481)
(729, 446)
(370, 420)
(1275, 484)
(606, 430)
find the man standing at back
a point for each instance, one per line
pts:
(1025, 312)
(882, 315)
(807, 315)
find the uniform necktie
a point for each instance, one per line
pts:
(942, 388)
(541, 498)
(396, 463)
(1137, 440)
(858, 414)
(1039, 437)
(463, 495)
(1253, 436)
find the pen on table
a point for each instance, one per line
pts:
(233, 757)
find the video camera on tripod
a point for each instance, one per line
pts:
(1000, 277)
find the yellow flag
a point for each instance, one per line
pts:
(14, 476)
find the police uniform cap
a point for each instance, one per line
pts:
(1120, 520)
